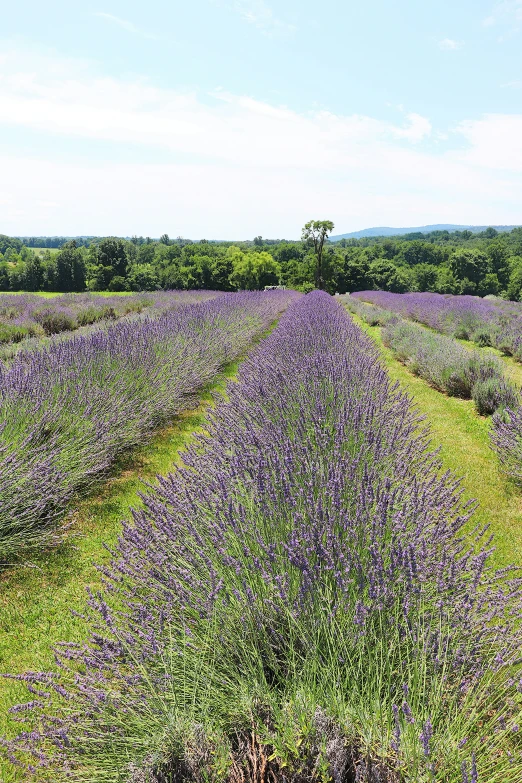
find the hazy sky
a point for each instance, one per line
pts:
(231, 118)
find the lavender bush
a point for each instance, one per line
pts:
(450, 367)
(69, 409)
(506, 436)
(300, 598)
(370, 314)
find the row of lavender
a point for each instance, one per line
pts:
(493, 322)
(442, 361)
(451, 368)
(28, 315)
(300, 598)
(68, 410)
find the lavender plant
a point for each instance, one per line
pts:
(69, 409)
(370, 314)
(301, 597)
(506, 436)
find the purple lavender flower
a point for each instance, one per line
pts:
(425, 736)
(313, 496)
(67, 410)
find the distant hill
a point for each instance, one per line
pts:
(385, 231)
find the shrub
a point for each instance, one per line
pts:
(494, 393)
(67, 312)
(456, 382)
(89, 315)
(305, 288)
(109, 313)
(13, 333)
(118, 283)
(482, 337)
(55, 321)
(449, 366)
(461, 333)
(483, 366)
(507, 441)
(370, 314)
(504, 346)
(68, 410)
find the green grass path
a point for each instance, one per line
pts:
(36, 600)
(465, 449)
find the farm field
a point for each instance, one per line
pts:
(486, 322)
(304, 589)
(494, 325)
(72, 407)
(261, 392)
(464, 438)
(37, 599)
(24, 316)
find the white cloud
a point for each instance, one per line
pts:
(449, 45)
(229, 128)
(418, 129)
(234, 166)
(515, 84)
(507, 11)
(125, 25)
(494, 141)
(261, 15)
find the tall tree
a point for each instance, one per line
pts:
(315, 233)
(70, 268)
(34, 273)
(111, 253)
(251, 271)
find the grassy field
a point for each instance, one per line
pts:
(50, 294)
(36, 600)
(465, 449)
(44, 294)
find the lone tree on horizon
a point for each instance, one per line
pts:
(315, 232)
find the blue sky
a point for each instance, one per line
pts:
(230, 118)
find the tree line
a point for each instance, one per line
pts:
(457, 263)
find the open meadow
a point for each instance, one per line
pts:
(240, 533)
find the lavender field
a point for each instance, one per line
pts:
(24, 316)
(70, 408)
(446, 364)
(487, 322)
(304, 599)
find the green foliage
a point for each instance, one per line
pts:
(117, 284)
(70, 269)
(456, 263)
(514, 287)
(13, 333)
(314, 234)
(491, 395)
(54, 321)
(9, 242)
(142, 277)
(253, 270)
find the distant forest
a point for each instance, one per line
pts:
(459, 262)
